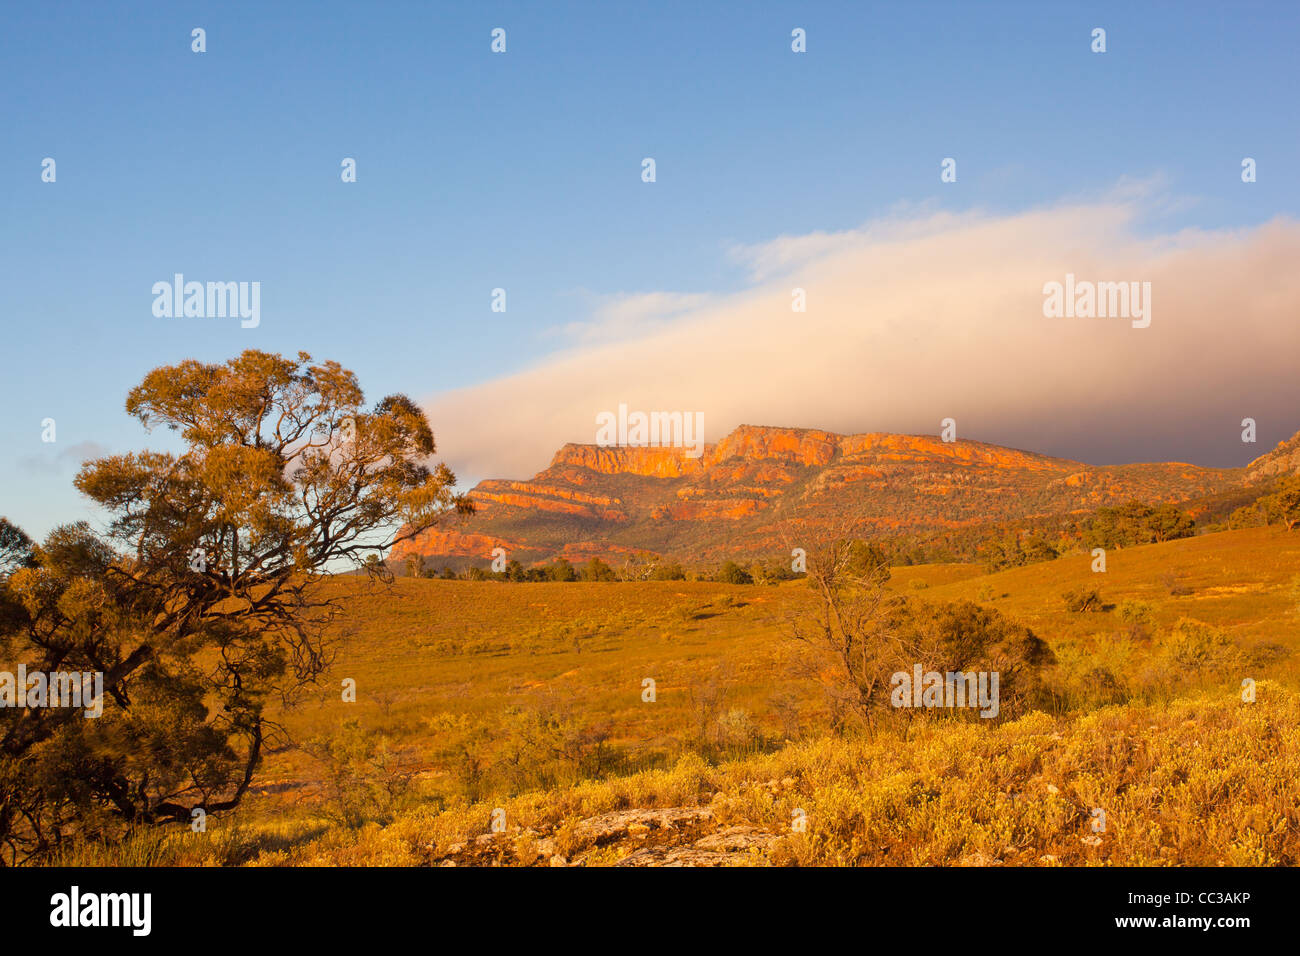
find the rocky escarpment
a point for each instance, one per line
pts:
(1281, 461)
(761, 487)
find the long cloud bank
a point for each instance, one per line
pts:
(915, 319)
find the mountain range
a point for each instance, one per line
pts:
(762, 488)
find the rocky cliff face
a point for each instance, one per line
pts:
(1282, 460)
(761, 487)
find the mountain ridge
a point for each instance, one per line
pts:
(761, 486)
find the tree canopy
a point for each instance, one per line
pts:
(201, 599)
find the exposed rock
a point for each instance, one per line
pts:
(766, 485)
(1282, 460)
(737, 839)
(735, 846)
(609, 827)
(673, 836)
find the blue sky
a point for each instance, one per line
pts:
(522, 170)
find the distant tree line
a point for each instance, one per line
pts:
(1045, 537)
(772, 571)
(1136, 523)
(997, 547)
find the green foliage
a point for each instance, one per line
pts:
(1280, 507)
(202, 602)
(732, 573)
(1138, 615)
(965, 636)
(1014, 550)
(1198, 646)
(771, 571)
(1253, 515)
(598, 570)
(668, 572)
(561, 570)
(864, 558)
(860, 635)
(1136, 523)
(362, 781)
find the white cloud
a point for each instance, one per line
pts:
(631, 314)
(925, 315)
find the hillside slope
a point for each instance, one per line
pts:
(1149, 725)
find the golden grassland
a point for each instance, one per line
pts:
(473, 696)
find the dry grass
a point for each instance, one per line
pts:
(473, 696)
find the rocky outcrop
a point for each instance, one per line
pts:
(454, 543)
(628, 460)
(673, 836)
(1281, 461)
(760, 487)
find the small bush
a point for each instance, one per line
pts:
(1082, 600)
(668, 572)
(732, 573)
(598, 570)
(1138, 615)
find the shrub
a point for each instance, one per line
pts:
(1138, 615)
(1198, 646)
(561, 570)
(1011, 551)
(1136, 523)
(771, 572)
(1082, 600)
(598, 570)
(1286, 502)
(362, 781)
(1104, 687)
(732, 573)
(668, 572)
(864, 637)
